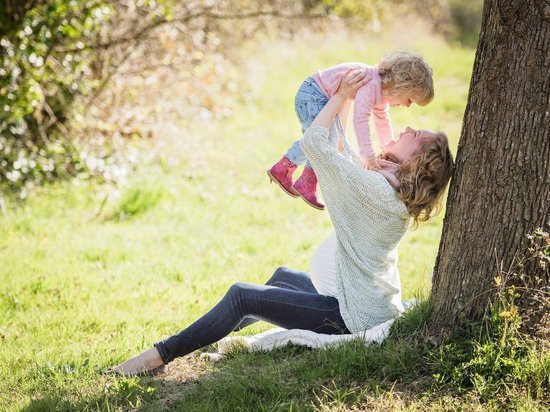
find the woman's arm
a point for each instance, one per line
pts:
(344, 116)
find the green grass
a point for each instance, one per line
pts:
(91, 274)
(136, 201)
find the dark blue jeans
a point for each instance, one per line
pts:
(288, 300)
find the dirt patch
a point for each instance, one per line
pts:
(183, 373)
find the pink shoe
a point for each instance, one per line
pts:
(306, 187)
(281, 173)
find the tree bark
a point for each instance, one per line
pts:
(500, 189)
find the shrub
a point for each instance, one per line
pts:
(43, 64)
(57, 56)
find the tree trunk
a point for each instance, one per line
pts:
(500, 190)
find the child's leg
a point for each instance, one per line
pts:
(308, 103)
(306, 185)
(286, 308)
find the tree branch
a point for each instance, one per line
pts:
(160, 20)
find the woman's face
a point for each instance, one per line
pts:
(408, 143)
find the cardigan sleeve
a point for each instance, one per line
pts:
(337, 175)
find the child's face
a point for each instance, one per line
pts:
(409, 143)
(398, 101)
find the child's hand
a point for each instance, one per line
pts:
(352, 81)
(371, 164)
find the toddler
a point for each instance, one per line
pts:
(399, 79)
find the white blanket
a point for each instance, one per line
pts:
(275, 338)
(278, 337)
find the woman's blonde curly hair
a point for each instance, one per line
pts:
(424, 177)
(407, 75)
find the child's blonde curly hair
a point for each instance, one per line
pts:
(424, 177)
(407, 75)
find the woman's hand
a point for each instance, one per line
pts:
(349, 85)
(351, 82)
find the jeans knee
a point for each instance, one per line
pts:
(239, 296)
(277, 275)
(235, 289)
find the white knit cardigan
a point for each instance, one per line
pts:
(369, 220)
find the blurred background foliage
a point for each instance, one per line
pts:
(76, 77)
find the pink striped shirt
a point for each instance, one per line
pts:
(368, 100)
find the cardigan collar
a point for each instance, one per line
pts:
(389, 169)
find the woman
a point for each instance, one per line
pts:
(354, 284)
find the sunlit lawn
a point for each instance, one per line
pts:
(84, 288)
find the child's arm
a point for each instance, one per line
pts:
(364, 104)
(382, 122)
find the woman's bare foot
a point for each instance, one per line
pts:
(141, 364)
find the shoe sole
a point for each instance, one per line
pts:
(161, 370)
(311, 204)
(272, 179)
